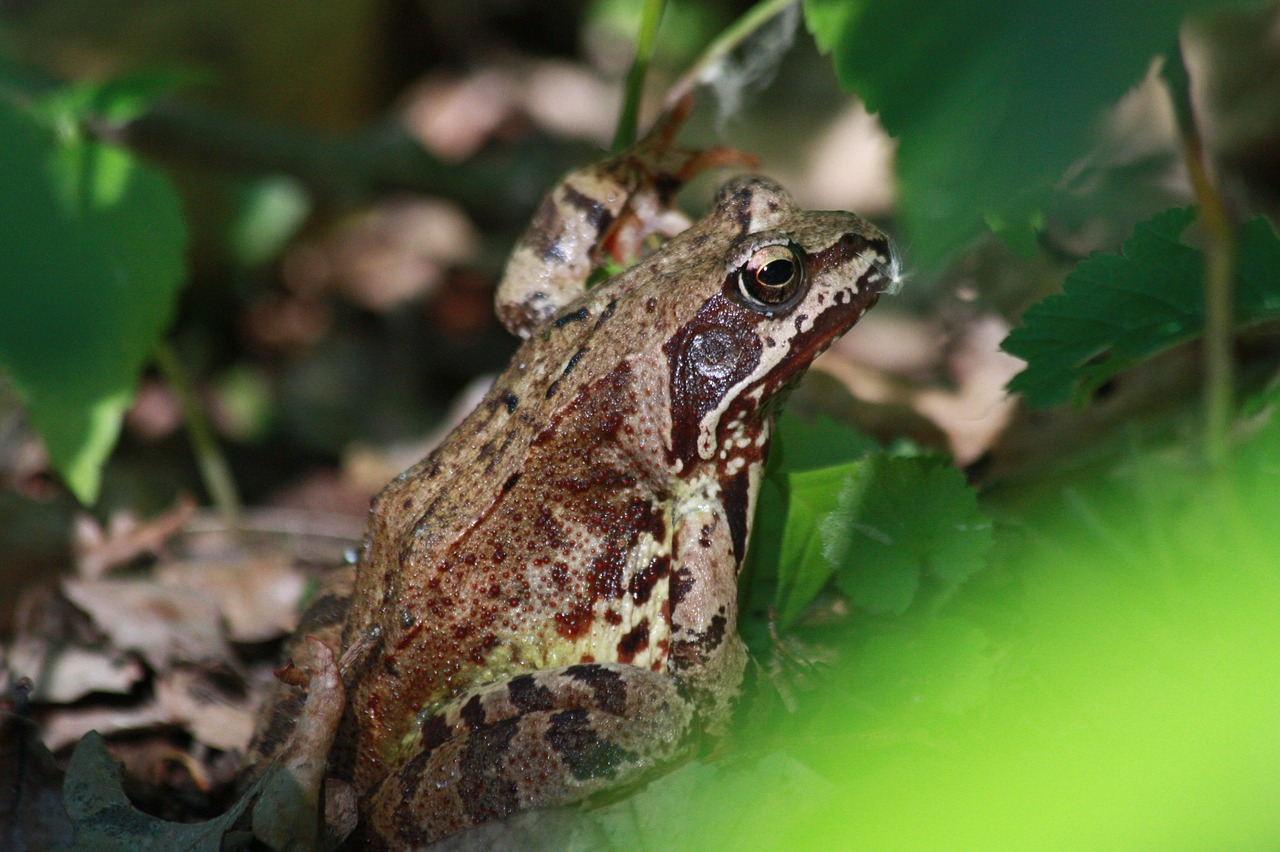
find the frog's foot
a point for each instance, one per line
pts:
(538, 740)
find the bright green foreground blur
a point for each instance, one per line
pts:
(1113, 683)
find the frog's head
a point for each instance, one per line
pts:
(794, 281)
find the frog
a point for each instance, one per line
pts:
(545, 608)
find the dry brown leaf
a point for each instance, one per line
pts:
(126, 538)
(165, 625)
(193, 700)
(258, 595)
(62, 674)
(66, 726)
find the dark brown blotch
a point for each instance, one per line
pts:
(583, 750)
(486, 792)
(599, 218)
(576, 316)
(681, 585)
(608, 689)
(568, 368)
(527, 695)
(435, 732)
(635, 641)
(473, 712)
(642, 583)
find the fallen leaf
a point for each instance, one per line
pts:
(125, 538)
(164, 624)
(104, 818)
(190, 698)
(68, 725)
(62, 674)
(257, 595)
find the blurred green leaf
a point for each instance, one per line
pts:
(806, 444)
(899, 522)
(990, 102)
(92, 246)
(1116, 309)
(271, 212)
(116, 100)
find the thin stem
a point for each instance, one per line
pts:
(1220, 261)
(646, 41)
(214, 469)
(725, 43)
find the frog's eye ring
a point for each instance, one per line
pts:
(771, 278)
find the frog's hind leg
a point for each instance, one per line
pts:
(537, 740)
(322, 619)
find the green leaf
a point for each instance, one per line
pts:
(941, 664)
(990, 102)
(1118, 309)
(898, 523)
(117, 100)
(806, 468)
(803, 570)
(106, 820)
(91, 255)
(809, 443)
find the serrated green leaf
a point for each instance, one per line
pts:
(901, 521)
(990, 102)
(92, 247)
(1115, 310)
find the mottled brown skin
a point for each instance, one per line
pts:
(605, 211)
(546, 606)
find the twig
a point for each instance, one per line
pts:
(1220, 261)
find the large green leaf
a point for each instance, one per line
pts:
(1116, 309)
(91, 257)
(901, 523)
(990, 102)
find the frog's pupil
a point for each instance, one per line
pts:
(775, 273)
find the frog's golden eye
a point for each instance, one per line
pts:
(771, 277)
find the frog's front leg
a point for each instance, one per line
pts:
(537, 740)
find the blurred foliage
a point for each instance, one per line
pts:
(93, 240)
(990, 104)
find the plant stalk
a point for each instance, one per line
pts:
(646, 41)
(725, 43)
(1220, 263)
(214, 470)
